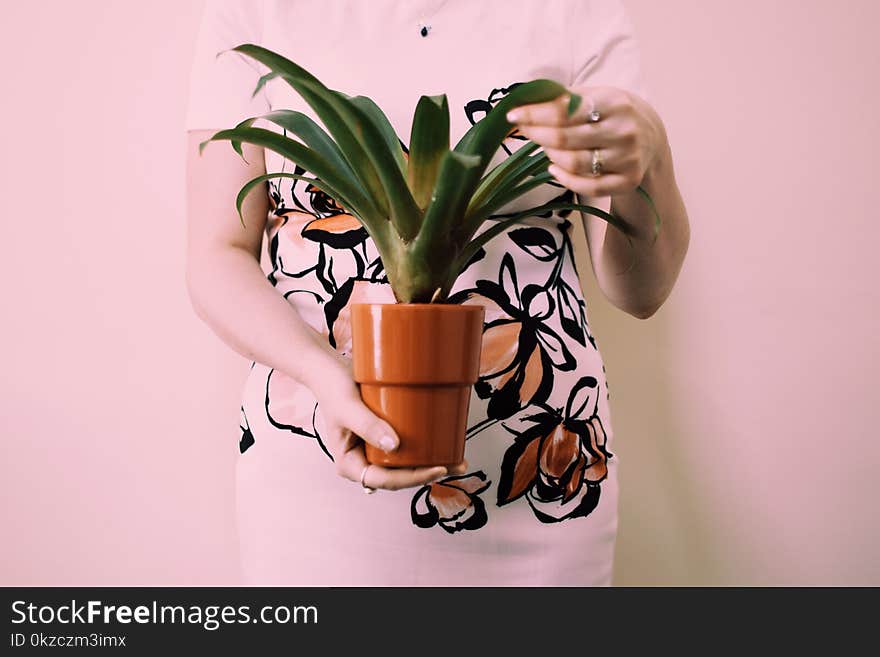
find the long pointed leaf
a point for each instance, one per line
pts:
(404, 213)
(253, 182)
(428, 142)
(490, 181)
(485, 136)
(319, 97)
(472, 222)
(447, 205)
(313, 135)
(372, 110)
(306, 158)
(657, 221)
(501, 225)
(337, 111)
(503, 189)
(375, 227)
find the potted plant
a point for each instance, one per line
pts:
(415, 360)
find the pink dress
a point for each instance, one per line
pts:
(538, 505)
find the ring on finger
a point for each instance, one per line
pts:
(367, 489)
(596, 164)
(593, 116)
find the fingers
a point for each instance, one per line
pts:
(580, 162)
(355, 424)
(604, 185)
(397, 478)
(608, 100)
(459, 468)
(577, 137)
(351, 465)
(369, 427)
(552, 112)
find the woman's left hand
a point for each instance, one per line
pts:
(629, 134)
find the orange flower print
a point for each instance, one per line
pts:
(333, 225)
(520, 351)
(300, 234)
(454, 503)
(558, 463)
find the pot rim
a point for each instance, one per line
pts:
(440, 307)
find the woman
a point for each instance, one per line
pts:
(535, 503)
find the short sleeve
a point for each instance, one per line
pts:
(605, 49)
(220, 88)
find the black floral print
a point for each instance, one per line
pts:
(558, 463)
(520, 351)
(453, 503)
(289, 407)
(247, 436)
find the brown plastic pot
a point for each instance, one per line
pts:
(416, 364)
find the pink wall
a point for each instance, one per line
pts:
(744, 408)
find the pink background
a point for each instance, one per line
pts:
(745, 409)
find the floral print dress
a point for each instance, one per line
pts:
(538, 505)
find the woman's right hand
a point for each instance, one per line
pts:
(348, 423)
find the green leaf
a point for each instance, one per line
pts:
(428, 142)
(309, 132)
(504, 191)
(485, 136)
(320, 99)
(573, 103)
(404, 213)
(263, 80)
(493, 179)
(377, 116)
(501, 225)
(510, 194)
(657, 221)
(313, 136)
(236, 145)
(377, 230)
(447, 205)
(347, 193)
(252, 183)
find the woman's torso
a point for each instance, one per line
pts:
(539, 501)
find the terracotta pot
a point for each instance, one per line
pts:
(416, 364)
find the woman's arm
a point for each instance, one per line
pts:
(226, 284)
(230, 292)
(641, 287)
(634, 147)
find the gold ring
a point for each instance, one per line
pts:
(596, 168)
(367, 489)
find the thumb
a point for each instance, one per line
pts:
(370, 427)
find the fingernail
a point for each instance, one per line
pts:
(513, 116)
(443, 472)
(387, 443)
